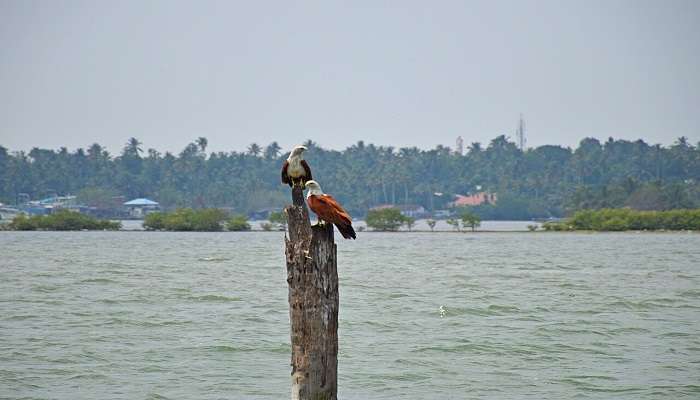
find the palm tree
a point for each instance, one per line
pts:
(272, 151)
(153, 154)
(133, 146)
(681, 142)
(95, 151)
(310, 144)
(254, 149)
(202, 143)
(475, 148)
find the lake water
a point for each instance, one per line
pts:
(420, 225)
(144, 315)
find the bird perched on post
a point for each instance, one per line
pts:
(328, 209)
(295, 170)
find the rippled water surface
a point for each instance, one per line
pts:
(141, 315)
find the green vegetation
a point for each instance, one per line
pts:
(62, 220)
(469, 219)
(238, 223)
(385, 219)
(97, 197)
(431, 224)
(454, 223)
(557, 226)
(410, 222)
(626, 219)
(279, 219)
(541, 182)
(186, 219)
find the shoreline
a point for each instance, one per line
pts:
(377, 232)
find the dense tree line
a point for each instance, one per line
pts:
(625, 219)
(539, 182)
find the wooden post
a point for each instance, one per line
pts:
(312, 275)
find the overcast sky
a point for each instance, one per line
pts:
(400, 73)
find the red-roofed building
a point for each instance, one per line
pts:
(474, 199)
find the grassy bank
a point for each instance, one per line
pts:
(625, 219)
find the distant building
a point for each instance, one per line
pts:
(441, 214)
(138, 208)
(57, 201)
(474, 199)
(47, 205)
(520, 133)
(409, 210)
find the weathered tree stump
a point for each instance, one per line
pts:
(312, 275)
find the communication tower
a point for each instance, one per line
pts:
(520, 133)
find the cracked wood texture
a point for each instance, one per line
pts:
(312, 275)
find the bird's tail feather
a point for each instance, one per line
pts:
(346, 230)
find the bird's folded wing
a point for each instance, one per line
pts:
(285, 177)
(333, 204)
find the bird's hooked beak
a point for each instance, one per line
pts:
(310, 185)
(313, 188)
(300, 149)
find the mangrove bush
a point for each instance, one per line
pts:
(186, 220)
(61, 220)
(238, 223)
(385, 219)
(625, 219)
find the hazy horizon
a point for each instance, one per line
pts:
(114, 151)
(399, 74)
